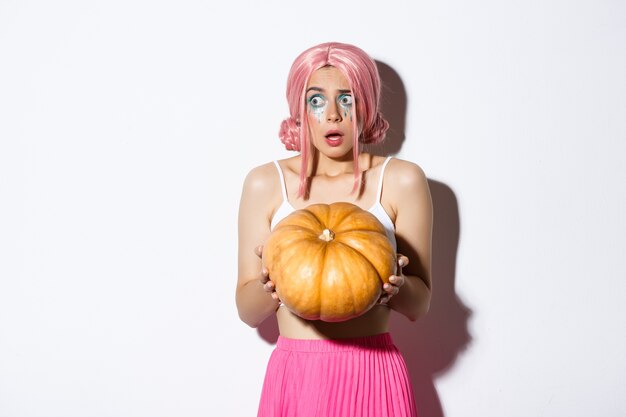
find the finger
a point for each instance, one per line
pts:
(402, 261)
(390, 289)
(397, 280)
(268, 286)
(259, 250)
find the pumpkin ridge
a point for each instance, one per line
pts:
(282, 260)
(346, 214)
(371, 234)
(358, 219)
(374, 235)
(352, 292)
(320, 282)
(295, 228)
(360, 254)
(348, 282)
(320, 212)
(359, 228)
(316, 251)
(297, 253)
(358, 307)
(278, 243)
(289, 222)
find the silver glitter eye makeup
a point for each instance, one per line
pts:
(317, 106)
(317, 101)
(345, 100)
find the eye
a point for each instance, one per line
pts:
(316, 101)
(345, 100)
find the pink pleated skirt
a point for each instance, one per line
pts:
(362, 377)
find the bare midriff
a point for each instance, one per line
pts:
(375, 321)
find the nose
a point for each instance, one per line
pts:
(333, 114)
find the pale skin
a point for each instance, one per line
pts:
(406, 198)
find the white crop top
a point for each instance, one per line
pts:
(377, 209)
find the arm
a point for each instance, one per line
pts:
(258, 199)
(409, 197)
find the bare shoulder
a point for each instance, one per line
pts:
(402, 174)
(261, 179)
(260, 198)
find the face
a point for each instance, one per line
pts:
(330, 108)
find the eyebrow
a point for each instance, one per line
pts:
(322, 90)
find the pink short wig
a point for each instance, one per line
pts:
(362, 75)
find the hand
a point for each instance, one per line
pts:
(268, 284)
(395, 281)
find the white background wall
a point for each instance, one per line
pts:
(127, 127)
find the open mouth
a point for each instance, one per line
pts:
(334, 138)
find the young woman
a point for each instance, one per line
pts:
(349, 368)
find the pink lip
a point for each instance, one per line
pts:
(334, 138)
(334, 142)
(334, 132)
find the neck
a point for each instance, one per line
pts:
(321, 165)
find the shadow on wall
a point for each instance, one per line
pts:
(430, 346)
(393, 107)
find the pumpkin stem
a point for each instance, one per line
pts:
(327, 235)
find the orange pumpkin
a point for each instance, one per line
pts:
(329, 261)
